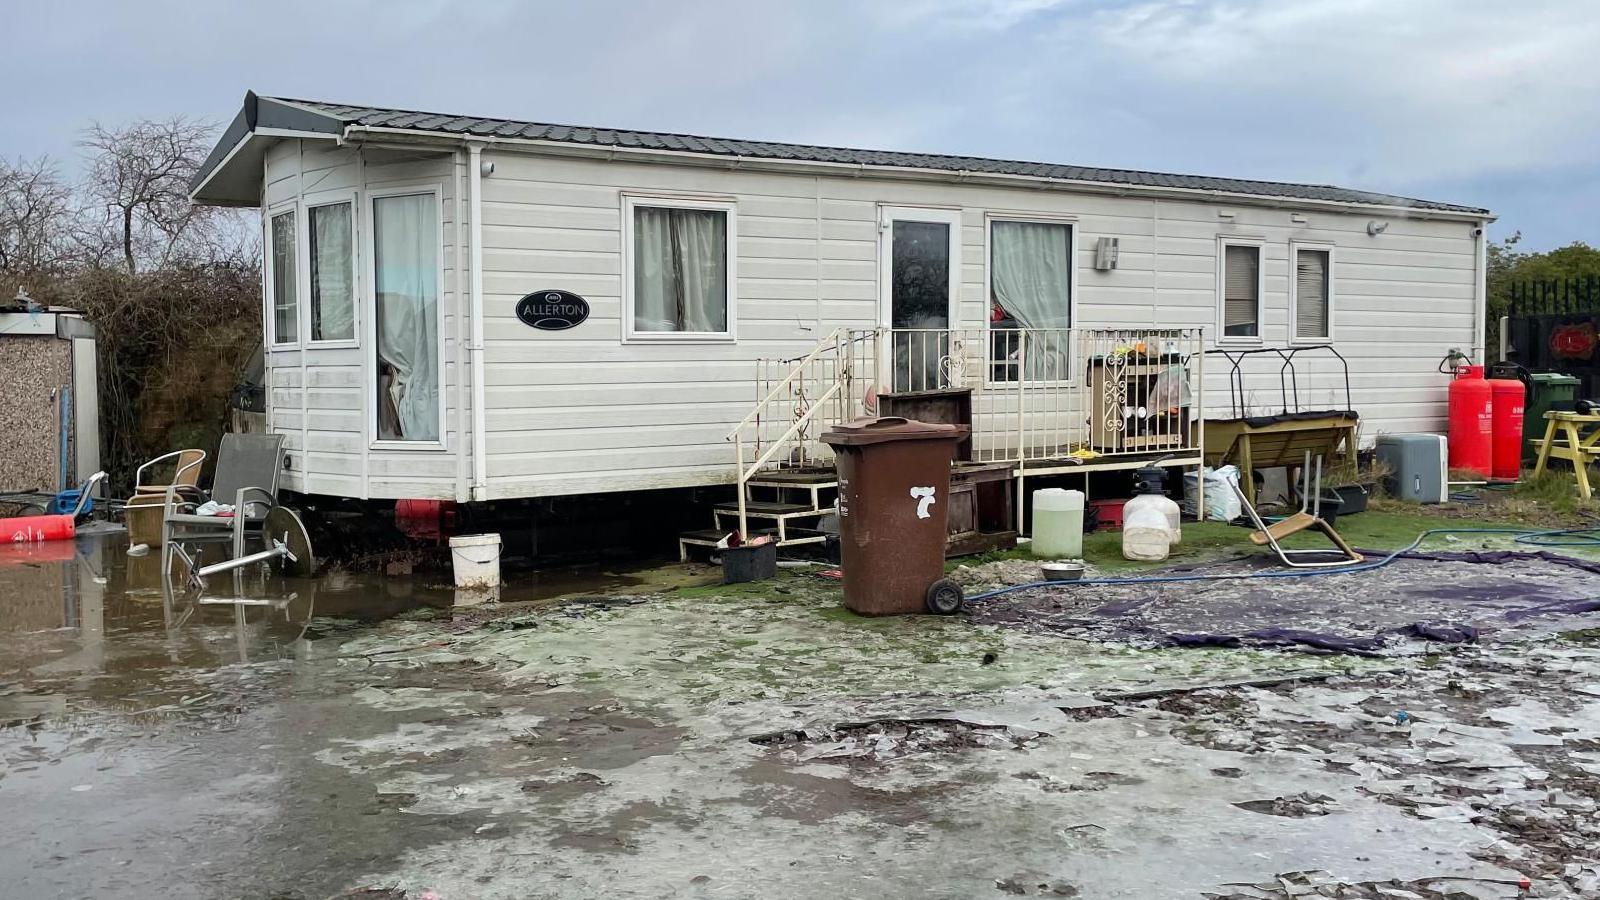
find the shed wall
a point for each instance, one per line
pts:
(35, 371)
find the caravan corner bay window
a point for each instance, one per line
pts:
(405, 262)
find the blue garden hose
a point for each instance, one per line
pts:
(1562, 537)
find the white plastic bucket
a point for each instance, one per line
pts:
(476, 559)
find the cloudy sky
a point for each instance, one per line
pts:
(1489, 103)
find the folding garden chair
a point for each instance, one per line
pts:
(1308, 518)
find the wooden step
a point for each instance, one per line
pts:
(760, 482)
(768, 509)
(796, 478)
(710, 537)
(706, 537)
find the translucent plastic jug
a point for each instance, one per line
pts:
(1057, 523)
(1171, 513)
(1147, 534)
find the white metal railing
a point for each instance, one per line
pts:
(1036, 394)
(1040, 394)
(796, 400)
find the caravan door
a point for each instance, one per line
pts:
(919, 273)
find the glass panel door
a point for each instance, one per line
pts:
(923, 261)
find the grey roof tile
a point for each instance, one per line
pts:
(457, 124)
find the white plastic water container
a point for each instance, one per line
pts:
(1174, 514)
(476, 560)
(1146, 531)
(1171, 513)
(1057, 523)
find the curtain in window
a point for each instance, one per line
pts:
(332, 275)
(1242, 284)
(680, 270)
(285, 305)
(1311, 294)
(1031, 271)
(405, 241)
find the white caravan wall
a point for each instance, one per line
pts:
(581, 411)
(321, 398)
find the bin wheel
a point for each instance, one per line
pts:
(944, 597)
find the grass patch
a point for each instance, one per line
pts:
(1556, 490)
(1587, 636)
(1386, 525)
(1388, 528)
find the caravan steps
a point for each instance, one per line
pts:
(709, 538)
(796, 479)
(768, 509)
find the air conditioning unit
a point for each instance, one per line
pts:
(1105, 254)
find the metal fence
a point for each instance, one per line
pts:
(1040, 394)
(1553, 325)
(1554, 296)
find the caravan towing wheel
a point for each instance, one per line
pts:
(944, 597)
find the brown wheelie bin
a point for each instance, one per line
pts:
(894, 488)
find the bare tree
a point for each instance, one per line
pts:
(35, 214)
(171, 288)
(138, 181)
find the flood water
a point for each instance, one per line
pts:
(280, 739)
(157, 740)
(87, 611)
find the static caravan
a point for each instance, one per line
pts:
(479, 309)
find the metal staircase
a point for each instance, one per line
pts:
(1042, 401)
(785, 479)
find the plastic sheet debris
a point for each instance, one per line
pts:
(1421, 599)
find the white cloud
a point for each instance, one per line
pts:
(984, 15)
(1451, 99)
(1428, 88)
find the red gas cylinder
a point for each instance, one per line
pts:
(25, 529)
(1506, 411)
(424, 520)
(1471, 422)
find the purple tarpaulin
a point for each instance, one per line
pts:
(1439, 596)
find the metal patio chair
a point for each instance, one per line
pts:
(145, 505)
(1308, 518)
(246, 476)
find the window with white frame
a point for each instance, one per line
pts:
(283, 278)
(1030, 300)
(1312, 298)
(331, 235)
(405, 291)
(1240, 286)
(680, 281)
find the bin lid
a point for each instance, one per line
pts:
(1552, 378)
(889, 428)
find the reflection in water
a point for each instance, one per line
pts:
(84, 620)
(86, 607)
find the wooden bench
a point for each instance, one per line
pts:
(1266, 442)
(1581, 447)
